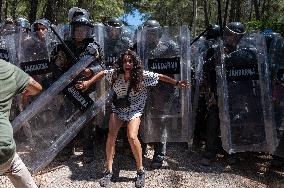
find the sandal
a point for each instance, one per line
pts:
(105, 181)
(140, 179)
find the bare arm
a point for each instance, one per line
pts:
(179, 84)
(84, 85)
(33, 87)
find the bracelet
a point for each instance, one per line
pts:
(177, 83)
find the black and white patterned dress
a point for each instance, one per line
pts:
(137, 100)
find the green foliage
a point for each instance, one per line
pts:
(167, 12)
(265, 24)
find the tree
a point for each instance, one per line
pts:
(33, 10)
(49, 11)
(1, 3)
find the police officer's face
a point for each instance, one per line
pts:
(114, 33)
(231, 39)
(41, 31)
(152, 38)
(127, 63)
(81, 32)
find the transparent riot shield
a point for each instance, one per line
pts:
(202, 58)
(52, 120)
(8, 48)
(167, 114)
(245, 107)
(34, 54)
(277, 61)
(64, 31)
(116, 41)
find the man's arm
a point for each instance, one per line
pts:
(33, 87)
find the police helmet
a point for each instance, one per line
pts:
(213, 32)
(81, 20)
(270, 37)
(152, 24)
(75, 11)
(8, 27)
(233, 32)
(154, 31)
(23, 23)
(236, 28)
(114, 22)
(43, 22)
(9, 21)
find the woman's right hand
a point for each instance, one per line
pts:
(83, 85)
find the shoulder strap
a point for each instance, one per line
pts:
(128, 90)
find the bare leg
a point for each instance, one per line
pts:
(114, 125)
(132, 134)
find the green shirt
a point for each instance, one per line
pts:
(12, 81)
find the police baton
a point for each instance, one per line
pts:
(200, 35)
(64, 44)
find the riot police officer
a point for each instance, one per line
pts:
(276, 54)
(41, 27)
(117, 40)
(243, 94)
(23, 24)
(65, 29)
(8, 27)
(81, 43)
(233, 33)
(75, 11)
(155, 47)
(208, 101)
(206, 86)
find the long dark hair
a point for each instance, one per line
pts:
(136, 75)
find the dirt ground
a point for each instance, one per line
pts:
(182, 168)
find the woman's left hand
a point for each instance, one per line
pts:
(183, 84)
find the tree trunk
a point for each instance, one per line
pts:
(13, 9)
(232, 11)
(219, 4)
(6, 9)
(194, 17)
(1, 2)
(250, 12)
(33, 10)
(256, 8)
(226, 13)
(263, 9)
(80, 3)
(49, 11)
(238, 6)
(205, 8)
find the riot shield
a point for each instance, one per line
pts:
(33, 54)
(245, 107)
(8, 48)
(202, 56)
(277, 61)
(56, 115)
(116, 41)
(53, 120)
(64, 31)
(167, 114)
